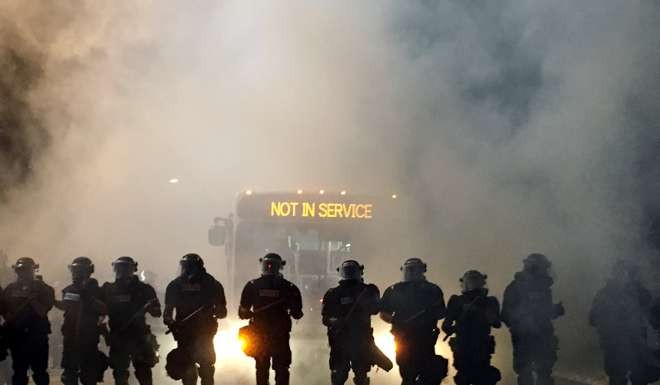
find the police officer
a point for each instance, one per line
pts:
(346, 312)
(83, 308)
(618, 313)
(528, 311)
(128, 301)
(3, 344)
(269, 302)
(414, 307)
(470, 317)
(194, 302)
(25, 306)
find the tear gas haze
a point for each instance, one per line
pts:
(509, 127)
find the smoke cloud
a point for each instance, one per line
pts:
(511, 127)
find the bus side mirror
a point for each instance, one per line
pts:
(217, 235)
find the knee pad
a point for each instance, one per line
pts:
(143, 375)
(69, 377)
(361, 379)
(461, 378)
(544, 379)
(526, 377)
(40, 377)
(206, 371)
(339, 376)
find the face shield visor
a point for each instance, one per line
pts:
(26, 270)
(123, 270)
(351, 271)
(190, 269)
(539, 266)
(271, 266)
(473, 281)
(413, 270)
(79, 272)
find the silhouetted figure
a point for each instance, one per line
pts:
(619, 314)
(130, 339)
(414, 307)
(470, 317)
(346, 312)
(528, 311)
(83, 308)
(25, 305)
(194, 302)
(269, 302)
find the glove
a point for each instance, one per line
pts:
(169, 321)
(449, 330)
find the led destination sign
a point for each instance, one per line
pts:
(326, 210)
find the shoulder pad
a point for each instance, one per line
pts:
(145, 286)
(453, 299)
(291, 285)
(391, 288)
(372, 286)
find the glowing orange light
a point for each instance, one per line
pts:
(299, 192)
(242, 342)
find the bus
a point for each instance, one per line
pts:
(313, 233)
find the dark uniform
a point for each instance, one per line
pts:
(3, 344)
(199, 301)
(270, 302)
(618, 313)
(6, 277)
(470, 317)
(347, 311)
(528, 311)
(81, 302)
(414, 307)
(131, 339)
(25, 305)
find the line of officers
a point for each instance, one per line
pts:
(195, 301)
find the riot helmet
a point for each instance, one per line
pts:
(25, 268)
(124, 267)
(271, 264)
(537, 264)
(192, 265)
(473, 280)
(351, 270)
(81, 269)
(413, 270)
